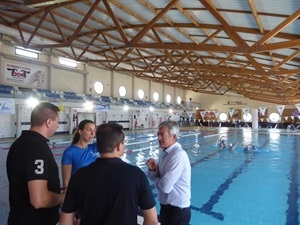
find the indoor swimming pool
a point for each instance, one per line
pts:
(228, 187)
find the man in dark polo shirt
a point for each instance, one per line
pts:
(109, 191)
(34, 185)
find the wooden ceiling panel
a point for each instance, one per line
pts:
(172, 42)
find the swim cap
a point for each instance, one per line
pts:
(230, 145)
(223, 141)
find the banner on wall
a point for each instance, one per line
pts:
(7, 106)
(246, 111)
(100, 107)
(202, 113)
(298, 107)
(25, 75)
(280, 109)
(231, 111)
(217, 113)
(262, 110)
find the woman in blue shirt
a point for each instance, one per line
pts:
(81, 153)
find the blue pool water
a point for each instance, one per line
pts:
(228, 188)
(234, 188)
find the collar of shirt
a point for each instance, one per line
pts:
(175, 145)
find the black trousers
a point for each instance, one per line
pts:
(172, 215)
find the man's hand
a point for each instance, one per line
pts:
(152, 166)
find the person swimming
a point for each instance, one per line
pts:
(246, 149)
(254, 148)
(232, 146)
(222, 144)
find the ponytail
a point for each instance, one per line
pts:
(76, 137)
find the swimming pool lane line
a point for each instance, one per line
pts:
(214, 199)
(292, 213)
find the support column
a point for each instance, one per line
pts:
(254, 118)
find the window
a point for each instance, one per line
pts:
(122, 91)
(274, 117)
(27, 53)
(223, 117)
(155, 96)
(168, 98)
(68, 62)
(141, 94)
(178, 100)
(98, 87)
(247, 117)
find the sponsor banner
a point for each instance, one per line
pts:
(99, 107)
(7, 106)
(25, 75)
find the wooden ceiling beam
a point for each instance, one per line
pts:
(146, 28)
(280, 27)
(116, 22)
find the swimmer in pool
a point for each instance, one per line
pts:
(246, 149)
(222, 143)
(254, 148)
(232, 146)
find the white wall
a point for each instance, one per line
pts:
(62, 80)
(121, 80)
(159, 88)
(96, 74)
(82, 79)
(224, 103)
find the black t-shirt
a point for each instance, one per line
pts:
(30, 158)
(108, 192)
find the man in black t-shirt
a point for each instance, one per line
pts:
(109, 191)
(34, 185)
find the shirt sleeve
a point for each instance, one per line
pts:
(146, 200)
(170, 173)
(67, 158)
(37, 165)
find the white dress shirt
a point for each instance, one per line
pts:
(174, 182)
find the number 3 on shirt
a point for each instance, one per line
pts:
(39, 166)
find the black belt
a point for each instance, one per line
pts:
(168, 206)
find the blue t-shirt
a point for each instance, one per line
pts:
(79, 157)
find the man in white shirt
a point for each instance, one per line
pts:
(172, 177)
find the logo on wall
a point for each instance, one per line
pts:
(24, 75)
(7, 106)
(98, 107)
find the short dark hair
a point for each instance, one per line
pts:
(81, 126)
(108, 136)
(42, 112)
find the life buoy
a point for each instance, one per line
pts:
(153, 123)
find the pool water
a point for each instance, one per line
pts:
(228, 188)
(234, 188)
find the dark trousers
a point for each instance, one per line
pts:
(172, 215)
